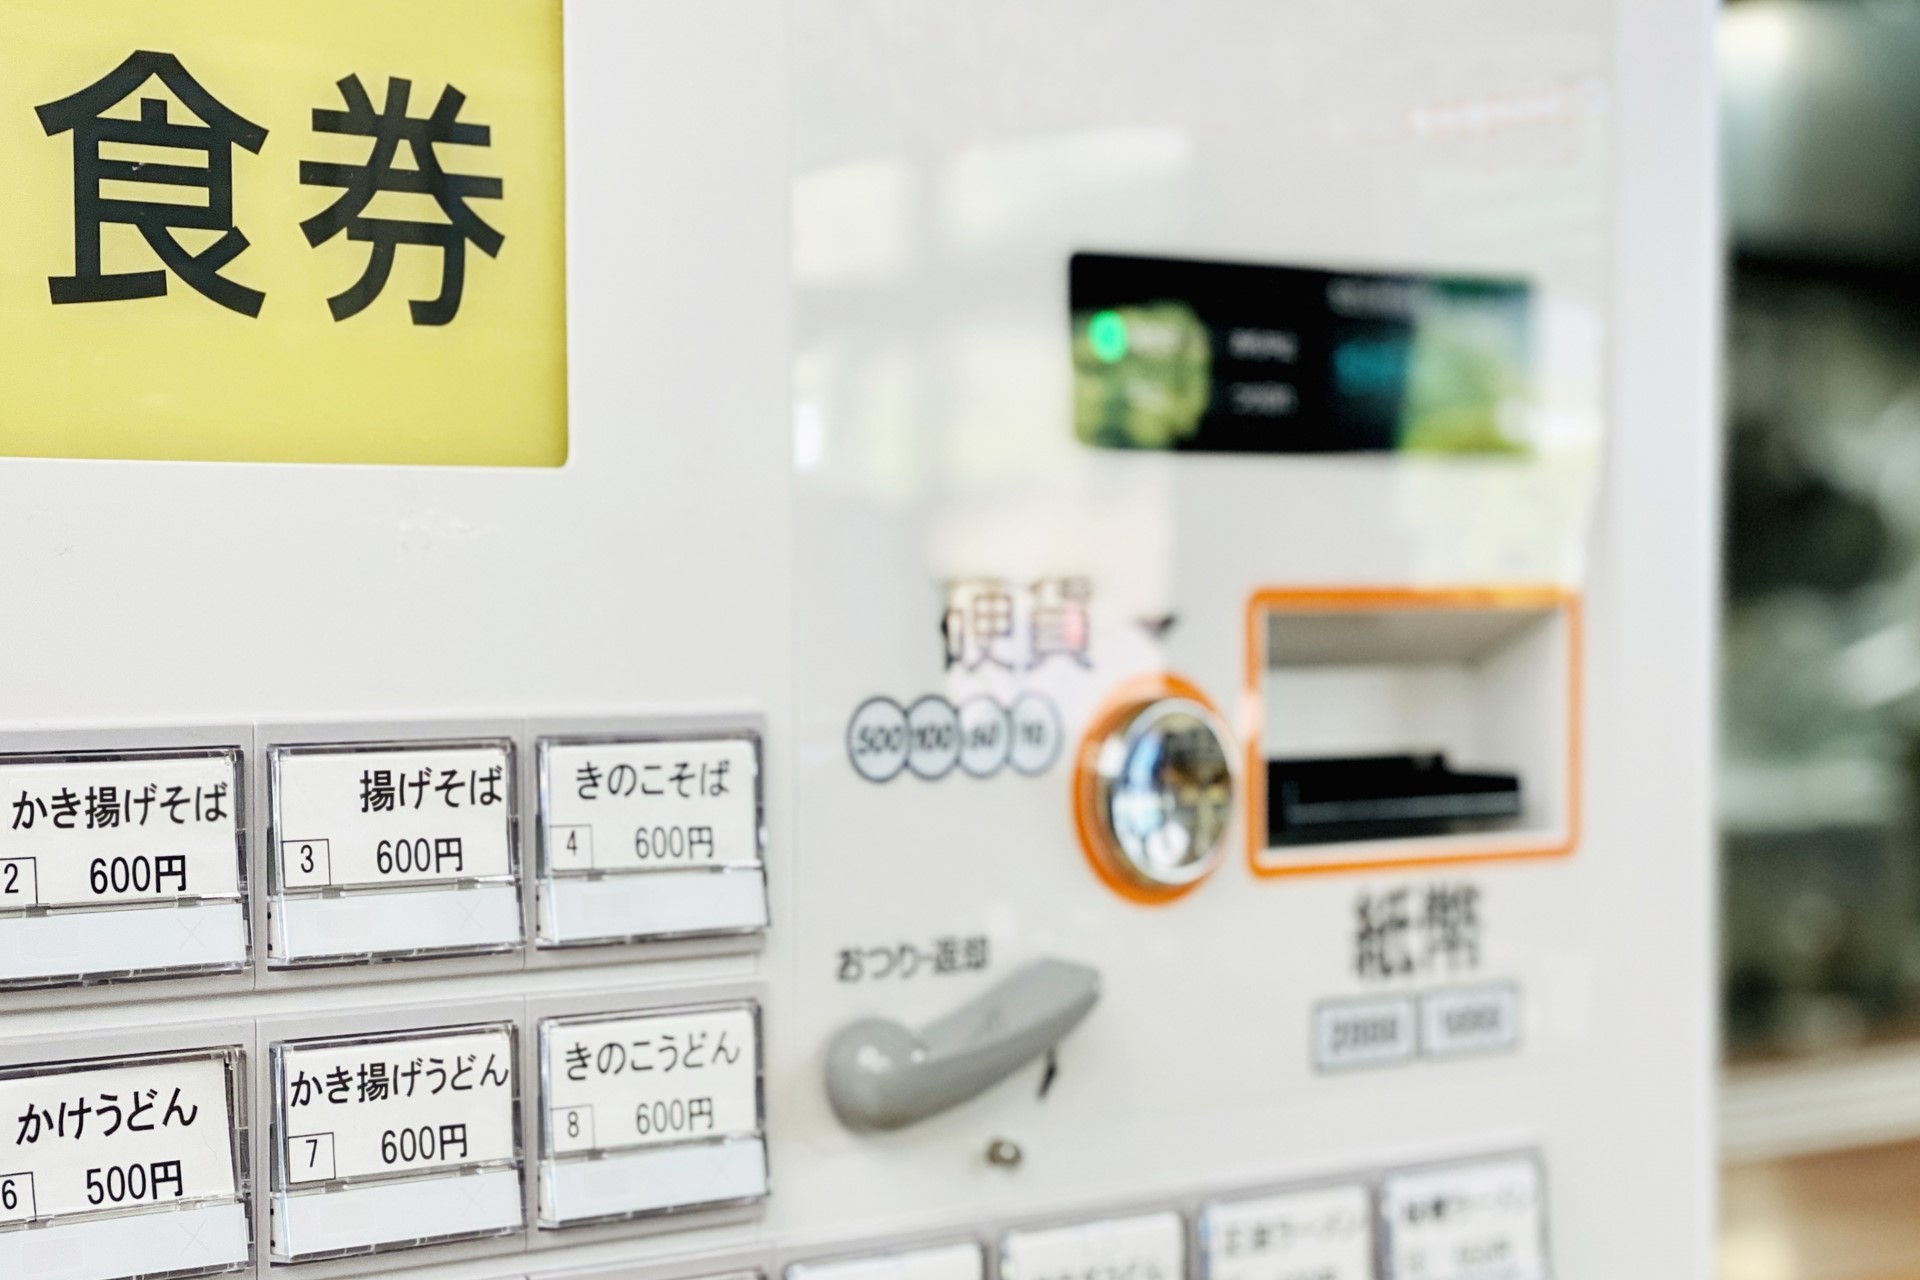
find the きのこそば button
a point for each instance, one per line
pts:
(650, 838)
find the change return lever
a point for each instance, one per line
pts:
(882, 1076)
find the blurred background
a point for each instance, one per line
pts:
(1820, 719)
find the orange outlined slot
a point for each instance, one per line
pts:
(1557, 840)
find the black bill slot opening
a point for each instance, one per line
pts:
(1320, 801)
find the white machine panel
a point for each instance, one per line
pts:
(1015, 640)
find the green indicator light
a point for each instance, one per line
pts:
(1107, 335)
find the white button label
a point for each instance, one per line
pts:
(395, 1104)
(1482, 1221)
(986, 737)
(651, 806)
(1036, 734)
(116, 1137)
(955, 1262)
(109, 830)
(1324, 1234)
(877, 739)
(386, 817)
(1152, 1247)
(651, 1079)
(933, 737)
(1363, 1033)
(1482, 1020)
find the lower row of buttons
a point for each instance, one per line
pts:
(379, 1141)
(1477, 1220)
(1481, 1219)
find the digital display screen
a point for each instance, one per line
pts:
(1223, 358)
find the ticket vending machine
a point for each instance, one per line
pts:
(826, 641)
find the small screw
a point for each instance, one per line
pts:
(1004, 1153)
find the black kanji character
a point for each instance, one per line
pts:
(1382, 923)
(218, 132)
(103, 808)
(373, 1082)
(1059, 621)
(376, 791)
(1451, 926)
(389, 127)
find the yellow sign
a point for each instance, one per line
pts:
(287, 231)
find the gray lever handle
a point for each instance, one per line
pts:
(882, 1076)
